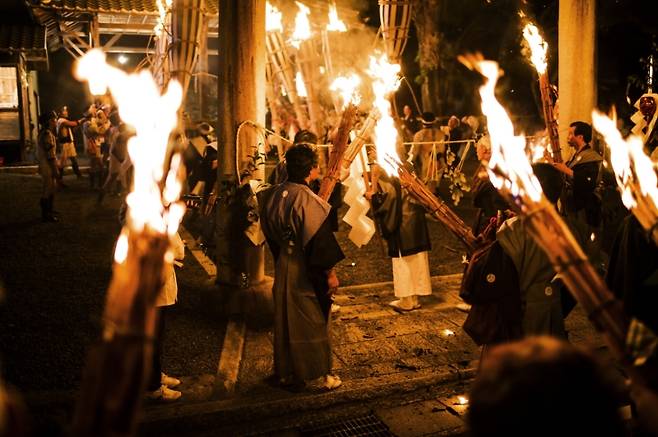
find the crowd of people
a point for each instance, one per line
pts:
(519, 320)
(518, 316)
(105, 139)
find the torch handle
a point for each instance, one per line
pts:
(549, 117)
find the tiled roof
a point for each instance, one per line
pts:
(117, 6)
(22, 38)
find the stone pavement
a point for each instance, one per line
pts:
(408, 369)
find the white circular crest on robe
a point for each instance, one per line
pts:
(640, 122)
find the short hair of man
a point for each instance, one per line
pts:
(542, 386)
(300, 160)
(550, 179)
(305, 137)
(582, 128)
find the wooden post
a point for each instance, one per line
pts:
(242, 96)
(577, 65)
(202, 69)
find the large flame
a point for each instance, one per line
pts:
(302, 25)
(347, 86)
(538, 47)
(386, 80)
(273, 19)
(300, 85)
(629, 162)
(154, 116)
(509, 164)
(335, 24)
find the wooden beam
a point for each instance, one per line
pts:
(111, 41)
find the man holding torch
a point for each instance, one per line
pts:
(578, 201)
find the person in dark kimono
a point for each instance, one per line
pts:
(541, 299)
(305, 251)
(404, 227)
(579, 202)
(486, 198)
(280, 175)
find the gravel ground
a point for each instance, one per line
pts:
(55, 277)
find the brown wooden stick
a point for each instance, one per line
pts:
(338, 151)
(117, 368)
(549, 117)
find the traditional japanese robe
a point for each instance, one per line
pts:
(403, 226)
(633, 272)
(294, 221)
(540, 301)
(578, 198)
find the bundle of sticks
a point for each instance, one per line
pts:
(338, 151)
(548, 108)
(416, 188)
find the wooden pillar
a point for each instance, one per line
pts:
(577, 64)
(242, 97)
(202, 70)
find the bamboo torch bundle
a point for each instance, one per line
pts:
(347, 85)
(511, 173)
(635, 173)
(359, 139)
(539, 48)
(385, 80)
(117, 368)
(280, 63)
(434, 205)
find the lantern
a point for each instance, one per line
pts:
(186, 24)
(395, 19)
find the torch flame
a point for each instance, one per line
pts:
(300, 85)
(273, 19)
(153, 115)
(346, 86)
(302, 25)
(509, 164)
(538, 47)
(335, 24)
(630, 163)
(385, 80)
